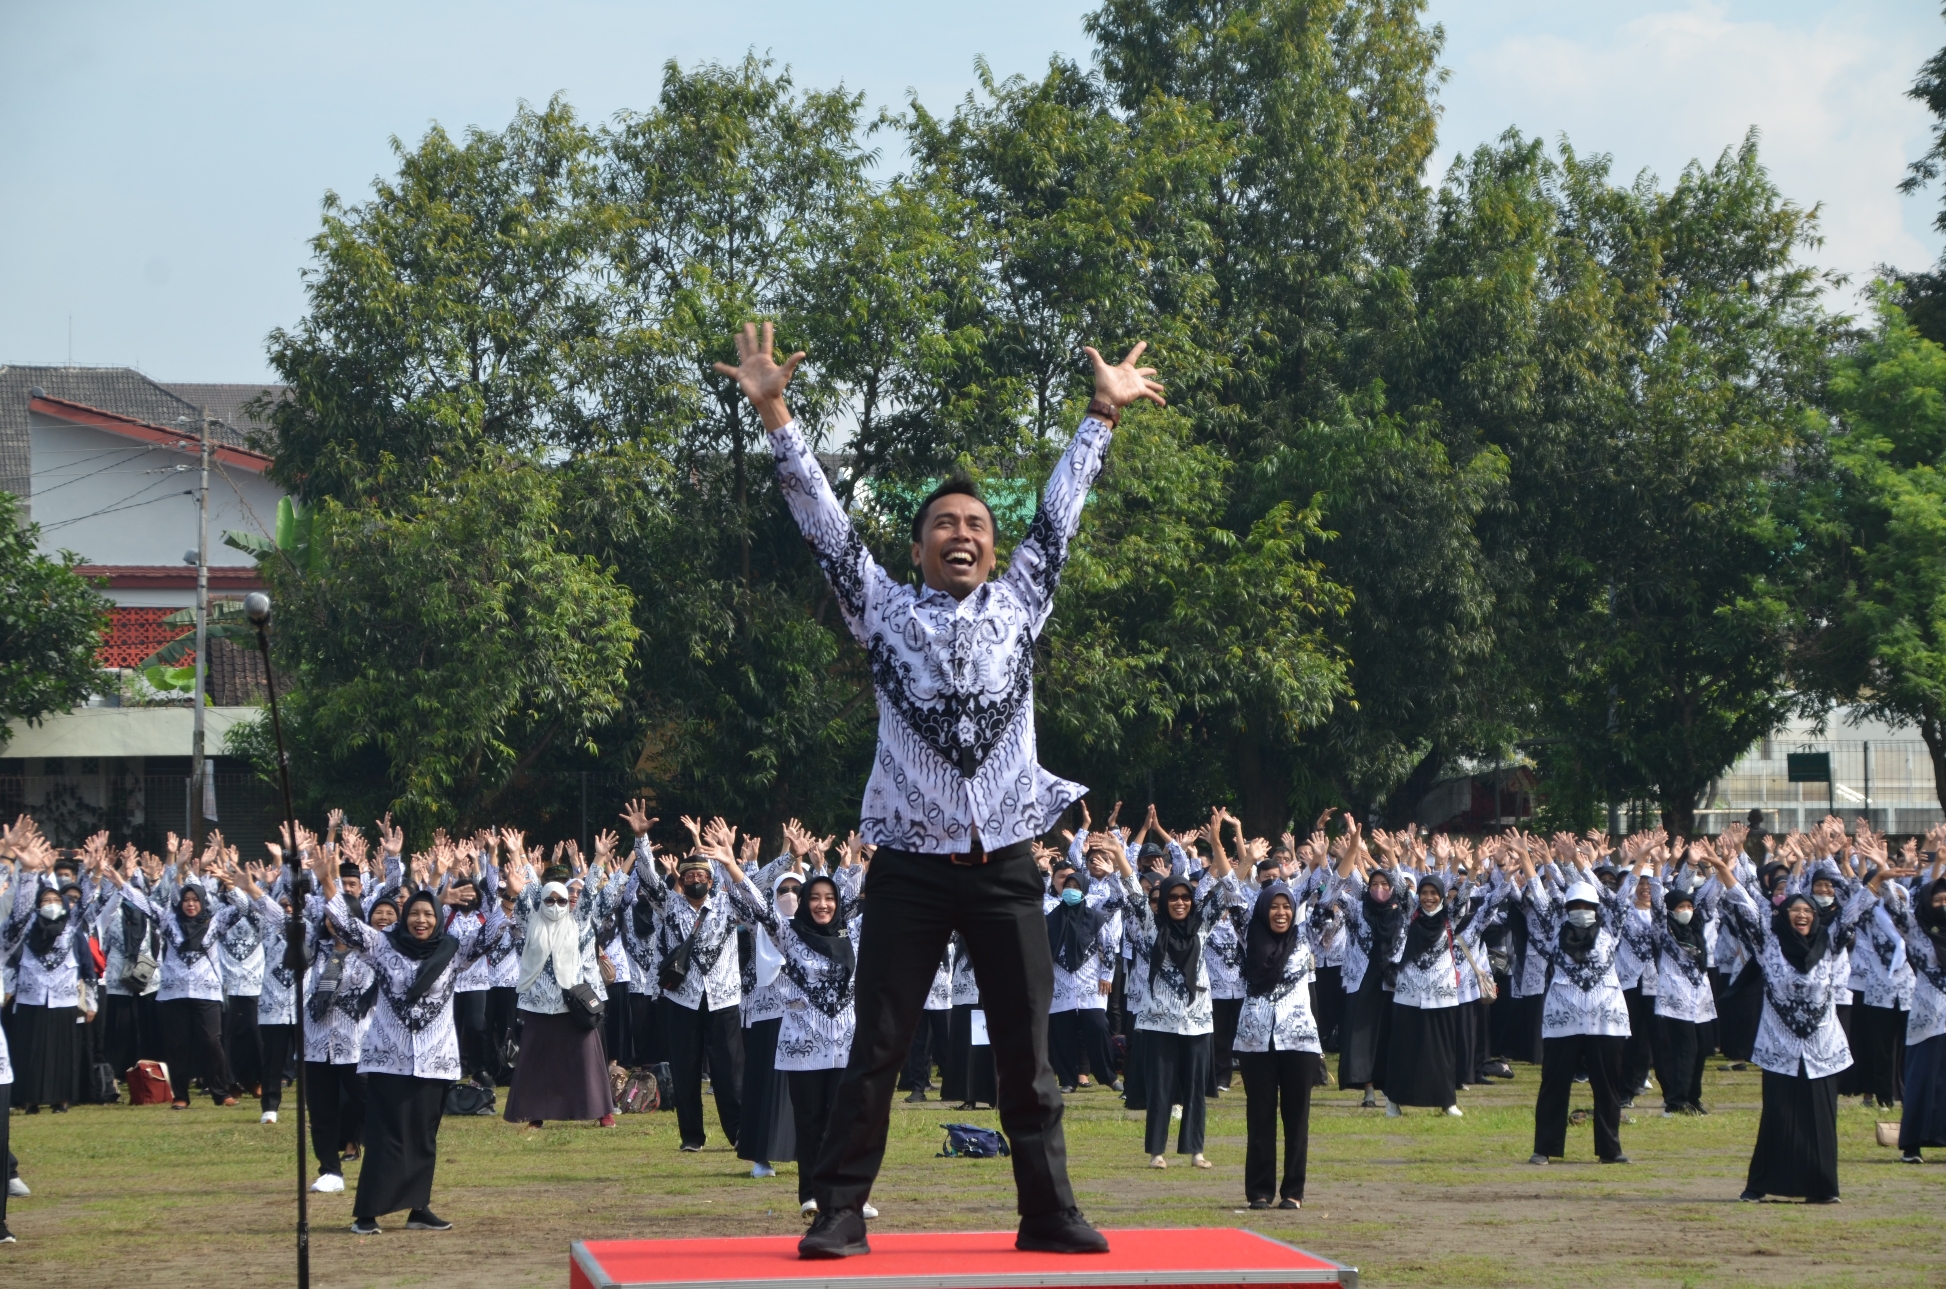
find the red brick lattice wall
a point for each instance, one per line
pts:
(134, 634)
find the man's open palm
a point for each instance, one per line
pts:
(1124, 382)
(758, 373)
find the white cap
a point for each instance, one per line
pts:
(1584, 893)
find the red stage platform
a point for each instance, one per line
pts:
(1151, 1259)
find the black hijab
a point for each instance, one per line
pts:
(1803, 952)
(1072, 931)
(829, 940)
(1427, 932)
(193, 928)
(1384, 918)
(45, 933)
(1579, 941)
(1179, 942)
(1931, 920)
(1265, 952)
(432, 953)
(1689, 936)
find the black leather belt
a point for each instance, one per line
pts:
(980, 855)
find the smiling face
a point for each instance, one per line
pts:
(422, 921)
(1178, 901)
(1381, 891)
(1280, 914)
(1801, 918)
(1429, 898)
(385, 915)
(954, 552)
(192, 904)
(823, 903)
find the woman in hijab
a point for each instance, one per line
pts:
(968, 1076)
(1177, 1019)
(189, 1005)
(563, 1068)
(1374, 913)
(768, 1131)
(1277, 1047)
(816, 978)
(1421, 1068)
(1799, 1044)
(339, 992)
(1921, 920)
(411, 1051)
(46, 992)
(1078, 936)
(1684, 1005)
(1881, 980)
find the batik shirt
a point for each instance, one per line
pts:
(188, 974)
(1799, 1031)
(277, 1002)
(240, 953)
(1080, 989)
(121, 955)
(1584, 995)
(1360, 952)
(1927, 1017)
(817, 991)
(1682, 981)
(597, 900)
(966, 986)
(954, 678)
(50, 979)
(1171, 1004)
(715, 977)
(1281, 1020)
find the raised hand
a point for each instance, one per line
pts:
(760, 376)
(1122, 383)
(636, 815)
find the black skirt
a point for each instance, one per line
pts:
(969, 1073)
(562, 1072)
(1739, 1012)
(1419, 1064)
(1923, 1122)
(769, 1129)
(46, 1055)
(1797, 1138)
(1363, 1032)
(401, 1143)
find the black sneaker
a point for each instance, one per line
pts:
(837, 1234)
(688, 1149)
(1752, 1197)
(6, 1236)
(364, 1226)
(1616, 1159)
(1696, 1107)
(424, 1219)
(1063, 1232)
(1259, 1203)
(917, 1094)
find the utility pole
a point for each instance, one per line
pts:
(199, 761)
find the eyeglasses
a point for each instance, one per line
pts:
(554, 899)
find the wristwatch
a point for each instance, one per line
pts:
(1103, 412)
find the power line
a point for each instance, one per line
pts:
(126, 503)
(42, 492)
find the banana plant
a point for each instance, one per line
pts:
(226, 621)
(292, 539)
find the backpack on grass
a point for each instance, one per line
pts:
(970, 1141)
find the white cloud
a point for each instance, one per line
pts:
(1660, 88)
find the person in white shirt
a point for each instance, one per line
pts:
(1277, 1046)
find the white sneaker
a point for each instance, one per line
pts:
(17, 1188)
(1454, 1112)
(270, 1116)
(868, 1212)
(762, 1170)
(1392, 1110)
(809, 1208)
(328, 1184)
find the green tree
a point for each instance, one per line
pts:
(51, 622)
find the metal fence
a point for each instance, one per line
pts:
(142, 809)
(1890, 782)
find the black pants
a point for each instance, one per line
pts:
(814, 1096)
(275, 1043)
(1329, 1004)
(470, 1027)
(1638, 1054)
(242, 1043)
(401, 1143)
(6, 1155)
(1878, 1048)
(1077, 1037)
(192, 1035)
(336, 1100)
(502, 1005)
(1275, 1082)
(1222, 1060)
(1679, 1062)
(929, 1043)
(1175, 1071)
(1561, 1058)
(129, 1031)
(913, 905)
(645, 1027)
(692, 1033)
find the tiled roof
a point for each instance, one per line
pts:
(121, 390)
(226, 402)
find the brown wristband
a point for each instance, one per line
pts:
(1103, 412)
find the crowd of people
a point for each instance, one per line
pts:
(1181, 960)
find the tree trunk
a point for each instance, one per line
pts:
(1263, 787)
(1404, 799)
(1679, 811)
(1933, 730)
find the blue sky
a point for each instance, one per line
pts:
(164, 163)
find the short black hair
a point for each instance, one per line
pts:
(953, 485)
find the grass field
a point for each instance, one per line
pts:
(164, 1200)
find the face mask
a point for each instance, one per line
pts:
(1070, 897)
(51, 911)
(695, 890)
(1582, 917)
(787, 904)
(1682, 916)
(554, 912)
(1823, 901)
(1434, 910)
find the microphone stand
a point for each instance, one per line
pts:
(256, 607)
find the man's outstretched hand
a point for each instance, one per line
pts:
(763, 380)
(1121, 384)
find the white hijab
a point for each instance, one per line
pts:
(553, 933)
(770, 959)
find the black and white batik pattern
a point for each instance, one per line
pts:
(187, 974)
(277, 1003)
(1682, 982)
(1799, 1031)
(818, 1014)
(715, 978)
(1171, 1004)
(1281, 1020)
(419, 1038)
(1881, 975)
(1584, 996)
(51, 979)
(954, 678)
(1927, 1016)
(240, 953)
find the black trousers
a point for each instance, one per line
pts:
(1222, 1059)
(929, 1045)
(502, 1006)
(814, 1096)
(470, 1028)
(913, 905)
(275, 1042)
(1561, 1059)
(1638, 1055)
(335, 1097)
(692, 1033)
(1679, 1056)
(402, 1116)
(129, 1031)
(6, 1155)
(1274, 1083)
(1329, 1004)
(1077, 1037)
(645, 1030)
(192, 1035)
(242, 1043)
(1878, 1049)
(1175, 1071)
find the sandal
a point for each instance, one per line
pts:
(1197, 1161)
(1158, 1162)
